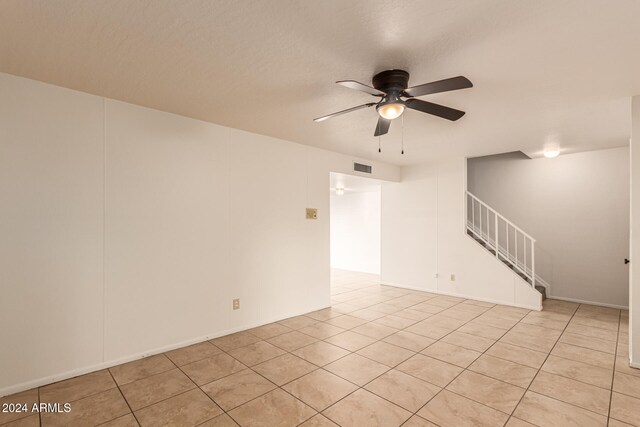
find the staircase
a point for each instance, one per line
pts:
(503, 239)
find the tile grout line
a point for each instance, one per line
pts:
(564, 358)
(386, 300)
(250, 368)
(495, 341)
(194, 382)
(83, 397)
(467, 368)
(519, 321)
(176, 366)
(175, 395)
(199, 387)
(39, 413)
(542, 364)
(568, 403)
(615, 361)
(123, 398)
(277, 387)
(441, 388)
(321, 367)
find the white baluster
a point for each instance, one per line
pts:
(533, 264)
(507, 227)
(516, 248)
(495, 215)
(480, 221)
(524, 245)
(473, 214)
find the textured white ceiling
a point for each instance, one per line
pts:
(542, 69)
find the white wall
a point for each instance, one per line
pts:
(128, 231)
(576, 206)
(51, 231)
(634, 288)
(423, 237)
(355, 231)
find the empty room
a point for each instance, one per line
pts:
(280, 213)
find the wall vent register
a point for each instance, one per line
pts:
(361, 167)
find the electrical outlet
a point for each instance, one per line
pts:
(236, 304)
(452, 277)
(435, 276)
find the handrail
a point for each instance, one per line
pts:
(481, 225)
(501, 216)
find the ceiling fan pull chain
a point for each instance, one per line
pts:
(379, 150)
(402, 137)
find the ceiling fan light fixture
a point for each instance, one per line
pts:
(551, 147)
(551, 153)
(391, 111)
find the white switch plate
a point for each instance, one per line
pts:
(236, 304)
(452, 277)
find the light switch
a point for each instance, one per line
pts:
(312, 213)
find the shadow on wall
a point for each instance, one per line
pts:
(576, 206)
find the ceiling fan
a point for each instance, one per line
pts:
(391, 87)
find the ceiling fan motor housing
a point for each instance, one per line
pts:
(391, 81)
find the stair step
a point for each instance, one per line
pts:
(542, 290)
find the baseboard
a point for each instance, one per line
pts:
(108, 364)
(351, 270)
(454, 294)
(634, 365)
(579, 301)
(540, 281)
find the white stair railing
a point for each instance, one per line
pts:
(502, 237)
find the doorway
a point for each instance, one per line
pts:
(355, 206)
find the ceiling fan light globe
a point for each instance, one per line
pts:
(391, 111)
(551, 153)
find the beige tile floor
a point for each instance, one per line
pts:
(381, 356)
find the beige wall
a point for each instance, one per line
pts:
(576, 206)
(127, 231)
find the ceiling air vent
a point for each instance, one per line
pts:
(360, 167)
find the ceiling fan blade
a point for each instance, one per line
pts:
(352, 84)
(382, 127)
(348, 110)
(454, 83)
(434, 109)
